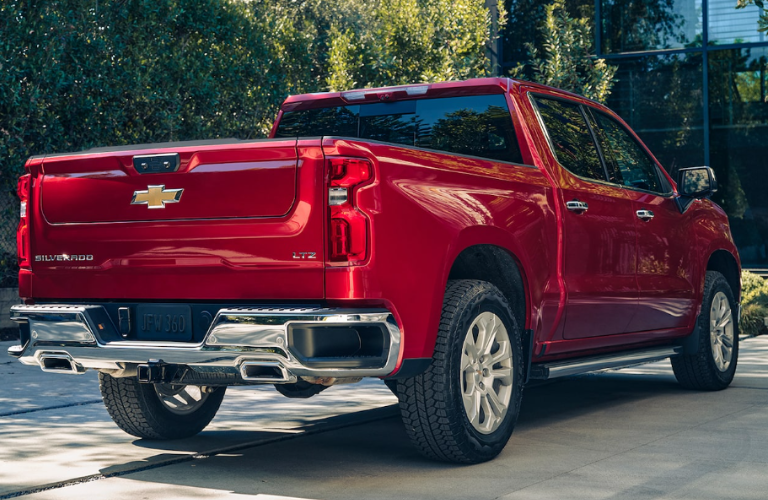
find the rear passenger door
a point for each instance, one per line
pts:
(599, 261)
(664, 259)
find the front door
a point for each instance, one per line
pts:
(664, 260)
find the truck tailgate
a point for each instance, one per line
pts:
(233, 221)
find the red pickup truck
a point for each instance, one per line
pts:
(455, 239)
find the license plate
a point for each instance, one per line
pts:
(163, 322)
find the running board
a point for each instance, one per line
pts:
(555, 369)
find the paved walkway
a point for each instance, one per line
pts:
(618, 435)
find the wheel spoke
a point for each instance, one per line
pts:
(486, 334)
(465, 363)
(725, 354)
(489, 417)
(727, 340)
(503, 375)
(502, 354)
(470, 349)
(472, 405)
(725, 319)
(497, 407)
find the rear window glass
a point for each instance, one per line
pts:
(472, 125)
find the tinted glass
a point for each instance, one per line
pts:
(650, 24)
(661, 98)
(738, 113)
(473, 125)
(634, 167)
(571, 139)
(729, 25)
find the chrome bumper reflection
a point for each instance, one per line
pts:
(238, 338)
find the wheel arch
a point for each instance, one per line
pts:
(726, 264)
(498, 266)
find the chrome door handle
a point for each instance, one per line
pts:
(644, 214)
(576, 206)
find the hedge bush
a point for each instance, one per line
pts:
(76, 74)
(754, 304)
(80, 73)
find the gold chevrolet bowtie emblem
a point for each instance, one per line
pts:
(156, 196)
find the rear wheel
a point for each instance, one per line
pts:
(465, 406)
(713, 366)
(159, 411)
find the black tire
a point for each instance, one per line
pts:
(431, 403)
(699, 371)
(138, 410)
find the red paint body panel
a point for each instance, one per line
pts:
(596, 281)
(425, 208)
(212, 245)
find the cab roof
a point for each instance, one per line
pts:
(475, 86)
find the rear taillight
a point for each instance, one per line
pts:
(22, 234)
(348, 231)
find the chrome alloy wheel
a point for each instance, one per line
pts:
(486, 372)
(181, 399)
(721, 331)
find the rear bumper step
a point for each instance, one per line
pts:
(251, 344)
(555, 369)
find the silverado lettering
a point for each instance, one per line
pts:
(62, 257)
(469, 237)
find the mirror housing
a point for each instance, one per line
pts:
(696, 182)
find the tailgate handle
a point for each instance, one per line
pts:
(155, 164)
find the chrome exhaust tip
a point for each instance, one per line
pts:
(268, 372)
(60, 363)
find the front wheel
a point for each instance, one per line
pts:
(159, 411)
(713, 366)
(465, 406)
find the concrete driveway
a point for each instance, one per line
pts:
(624, 434)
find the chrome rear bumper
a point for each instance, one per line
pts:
(240, 341)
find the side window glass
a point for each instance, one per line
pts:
(634, 166)
(571, 139)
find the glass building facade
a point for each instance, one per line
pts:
(692, 81)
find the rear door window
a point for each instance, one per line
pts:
(570, 138)
(472, 125)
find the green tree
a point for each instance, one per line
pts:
(566, 56)
(76, 74)
(81, 73)
(407, 41)
(762, 23)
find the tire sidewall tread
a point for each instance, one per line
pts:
(431, 403)
(698, 371)
(137, 409)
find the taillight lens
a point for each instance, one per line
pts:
(348, 231)
(22, 233)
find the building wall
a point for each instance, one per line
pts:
(692, 81)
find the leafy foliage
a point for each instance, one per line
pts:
(9, 269)
(407, 41)
(762, 23)
(565, 58)
(754, 304)
(76, 74)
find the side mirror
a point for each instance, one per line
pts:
(697, 182)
